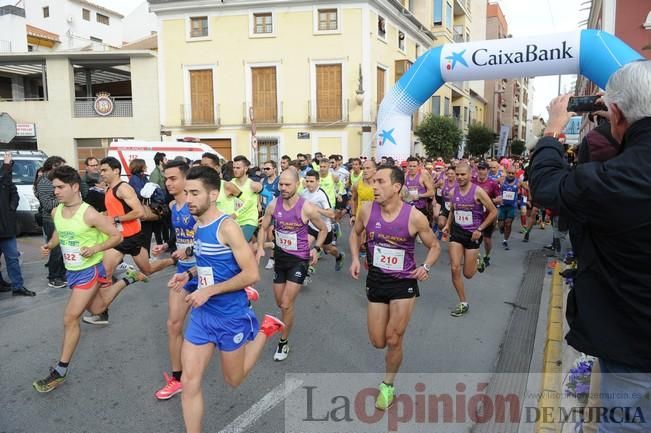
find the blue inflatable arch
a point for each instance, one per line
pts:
(592, 53)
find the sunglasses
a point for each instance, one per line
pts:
(267, 168)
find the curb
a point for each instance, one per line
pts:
(553, 352)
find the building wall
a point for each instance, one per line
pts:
(630, 16)
(12, 33)
(139, 23)
(50, 115)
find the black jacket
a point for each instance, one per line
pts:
(8, 203)
(609, 309)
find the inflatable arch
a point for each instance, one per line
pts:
(592, 53)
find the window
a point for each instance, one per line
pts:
(46, 12)
(328, 93)
(402, 66)
(262, 23)
(401, 41)
(465, 114)
(102, 19)
(85, 14)
(201, 97)
(438, 12)
(448, 15)
(436, 105)
(267, 149)
(264, 97)
(381, 82)
(328, 19)
(94, 39)
(446, 107)
(381, 27)
(198, 27)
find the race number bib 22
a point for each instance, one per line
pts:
(390, 259)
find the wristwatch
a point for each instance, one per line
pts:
(116, 220)
(190, 275)
(426, 267)
(189, 251)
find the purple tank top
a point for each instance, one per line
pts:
(447, 187)
(389, 245)
(291, 231)
(468, 214)
(415, 188)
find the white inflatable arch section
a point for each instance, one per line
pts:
(592, 53)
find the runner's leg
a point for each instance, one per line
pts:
(195, 359)
(399, 314)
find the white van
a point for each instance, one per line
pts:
(127, 150)
(26, 163)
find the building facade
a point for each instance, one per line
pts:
(73, 104)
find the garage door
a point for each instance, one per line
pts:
(221, 145)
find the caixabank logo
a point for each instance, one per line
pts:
(531, 53)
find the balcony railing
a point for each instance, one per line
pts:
(122, 107)
(313, 118)
(200, 119)
(261, 118)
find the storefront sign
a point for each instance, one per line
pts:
(25, 130)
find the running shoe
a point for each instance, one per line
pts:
(134, 275)
(461, 309)
(487, 261)
(339, 263)
(122, 268)
(481, 265)
(523, 230)
(251, 294)
(270, 264)
(385, 396)
(171, 388)
(53, 380)
(505, 244)
(282, 351)
(97, 319)
(526, 236)
(57, 283)
(271, 325)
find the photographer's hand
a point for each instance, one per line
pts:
(558, 115)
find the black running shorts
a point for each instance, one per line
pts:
(382, 288)
(289, 269)
(463, 237)
(131, 245)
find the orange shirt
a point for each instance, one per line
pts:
(115, 206)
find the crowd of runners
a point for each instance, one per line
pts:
(224, 218)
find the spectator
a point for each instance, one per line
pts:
(138, 179)
(91, 177)
(156, 175)
(210, 160)
(47, 200)
(8, 246)
(608, 307)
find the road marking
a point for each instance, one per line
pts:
(272, 399)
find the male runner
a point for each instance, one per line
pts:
(466, 223)
(510, 200)
(492, 188)
(447, 184)
(495, 172)
(291, 215)
(356, 174)
(284, 162)
(83, 234)
(315, 195)
(220, 316)
(363, 193)
(125, 210)
(246, 203)
(269, 192)
(420, 186)
(392, 283)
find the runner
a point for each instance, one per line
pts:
(315, 195)
(495, 173)
(420, 185)
(341, 189)
(124, 208)
(510, 199)
(220, 317)
(447, 185)
(392, 283)
(291, 215)
(492, 188)
(466, 223)
(246, 203)
(269, 192)
(356, 173)
(83, 234)
(363, 193)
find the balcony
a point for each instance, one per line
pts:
(331, 116)
(462, 7)
(85, 107)
(200, 117)
(458, 34)
(264, 116)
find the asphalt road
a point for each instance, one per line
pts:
(117, 368)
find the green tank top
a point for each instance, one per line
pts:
(225, 203)
(328, 185)
(75, 234)
(354, 179)
(246, 205)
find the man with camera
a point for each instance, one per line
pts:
(609, 307)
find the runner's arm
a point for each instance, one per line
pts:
(355, 238)
(448, 222)
(128, 194)
(353, 200)
(265, 224)
(231, 189)
(483, 198)
(104, 225)
(256, 187)
(428, 183)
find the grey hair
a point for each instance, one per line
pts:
(630, 88)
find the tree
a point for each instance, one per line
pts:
(440, 136)
(480, 139)
(517, 147)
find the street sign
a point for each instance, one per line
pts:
(303, 135)
(7, 128)
(25, 130)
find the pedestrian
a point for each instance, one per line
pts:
(608, 307)
(45, 195)
(8, 246)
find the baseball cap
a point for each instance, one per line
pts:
(482, 164)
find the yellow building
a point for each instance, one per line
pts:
(310, 73)
(74, 103)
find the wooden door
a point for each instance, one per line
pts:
(221, 145)
(381, 74)
(202, 101)
(265, 105)
(328, 93)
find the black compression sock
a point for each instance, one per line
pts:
(177, 375)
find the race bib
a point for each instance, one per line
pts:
(413, 193)
(524, 200)
(463, 217)
(238, 204)
(390, 259)
(508, 195)
(439, 192)
(71, 255)
(204, 276)
(287, 241)
(447, 205)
